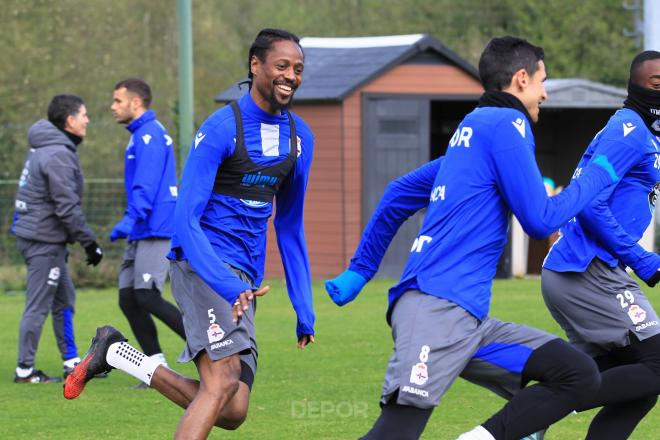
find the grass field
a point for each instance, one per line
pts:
(328, 391)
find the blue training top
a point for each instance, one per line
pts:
(489, 170)
(212, 229)
(150, 178)
(610, 226)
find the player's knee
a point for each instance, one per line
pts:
(232, 420)
(564, 368)
(585, 377)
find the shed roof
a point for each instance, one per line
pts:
(335, 67)
(582, 93)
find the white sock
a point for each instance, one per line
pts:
(478, 433)
(128, 359)
(159, 357)
(24, 372)
(70, 363)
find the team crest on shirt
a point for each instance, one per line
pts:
(636, 314)
(215, 332)
(419, 374)
(299, 145)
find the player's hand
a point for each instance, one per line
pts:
(305, 340)
(242, 303)
(651, 282)
(345, 287)
(122, 229)
(94, 254)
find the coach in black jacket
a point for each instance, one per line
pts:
(49, 215)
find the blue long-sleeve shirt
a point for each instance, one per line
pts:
(402, 198)
(610, 227)
(489, 170)
(213, 229)
(150, 178)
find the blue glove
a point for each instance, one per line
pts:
(345, 287)
(122, 229)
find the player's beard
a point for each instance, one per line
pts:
(124, 119)
(277, 104)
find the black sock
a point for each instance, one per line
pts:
(565, 375)
(140, 320)
(399, 422)
(152, 301)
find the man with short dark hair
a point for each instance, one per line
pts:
(48, 216)
(585, 286)
(148, 222)
(438, 311)
(245, 156)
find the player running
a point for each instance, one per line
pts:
(439, 309)
(585, 286)
(243, 156)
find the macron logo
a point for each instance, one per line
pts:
(199, 138)
(519, 124)
(146, 138)
(627, 128)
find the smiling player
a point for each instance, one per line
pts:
(243, 156)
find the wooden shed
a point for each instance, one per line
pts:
(379, 107)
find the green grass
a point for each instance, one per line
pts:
(328, 391)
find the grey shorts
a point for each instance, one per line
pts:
(599, 308)
(207, 320)
(144, 264)
(436, 341)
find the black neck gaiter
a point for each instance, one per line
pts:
(495, 98)
(646, 103)
(75, 139)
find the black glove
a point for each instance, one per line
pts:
(651, 282)
(94, 254)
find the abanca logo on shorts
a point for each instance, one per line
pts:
(221, 344)
(646, 325)
(413, 390)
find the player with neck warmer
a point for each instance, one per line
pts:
(438, 311)
(585, 285)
